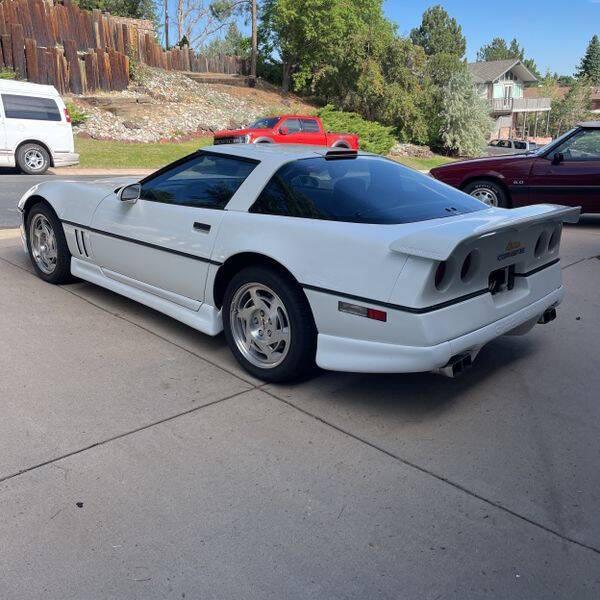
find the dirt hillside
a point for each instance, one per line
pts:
(163, 105)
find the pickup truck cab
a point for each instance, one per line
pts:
(501, 147)
(287, 129)
(566, 171)
(35, 128)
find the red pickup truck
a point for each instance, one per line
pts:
(287, 129)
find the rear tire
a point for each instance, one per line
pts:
(47, 245)
(269, 325)
(33, 159)
(488, 192)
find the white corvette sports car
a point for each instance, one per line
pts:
(304, 254)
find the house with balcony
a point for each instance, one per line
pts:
(503, 83)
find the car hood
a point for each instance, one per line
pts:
(75, 200)
(485, 162)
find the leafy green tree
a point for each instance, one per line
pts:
(439, 33)
(234, 43)
(306, 34)
(495, 50)
(136, 9)
(498, 49)
(464, 117)
(590, 63)
(571, 109)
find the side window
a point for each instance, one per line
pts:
(310, 126)
(30, 107)
(520, 145)
(203, 180)
(584, 145)
(278, 198)
(293, 125)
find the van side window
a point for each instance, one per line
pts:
(30, 107)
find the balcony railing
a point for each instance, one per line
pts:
(509, 105)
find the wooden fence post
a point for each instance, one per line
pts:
(31, 61)
(18, 49)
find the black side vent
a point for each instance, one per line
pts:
(80, 239)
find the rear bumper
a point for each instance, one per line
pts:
(362, 356)
(65, 159)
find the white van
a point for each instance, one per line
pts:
(35, 128)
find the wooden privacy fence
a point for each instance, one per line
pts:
(79, 51)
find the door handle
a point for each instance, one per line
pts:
(205, 227)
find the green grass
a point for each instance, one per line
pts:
(118, 155)
(423, 164)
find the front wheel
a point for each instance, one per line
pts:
(488, 192)
(47, 245)
(268, 325)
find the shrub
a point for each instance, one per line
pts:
(373, 136)
(78, 116)
(7, 73)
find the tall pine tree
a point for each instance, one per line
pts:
(590, 63)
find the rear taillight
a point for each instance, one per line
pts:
(67, 115)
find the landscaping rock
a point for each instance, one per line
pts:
(411, 150)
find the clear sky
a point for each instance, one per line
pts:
(555, 33)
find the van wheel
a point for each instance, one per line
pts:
(33, 159)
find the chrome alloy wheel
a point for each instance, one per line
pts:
(34, 159)
(485, 195)
(260, 325)
(42, 240)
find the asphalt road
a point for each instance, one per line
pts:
(138, 460)
(13, 185)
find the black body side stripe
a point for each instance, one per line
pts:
(538, 269)
(408, 309)
(425, 309)
(141, 243)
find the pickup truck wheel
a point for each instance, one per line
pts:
(33, 159)
(488, 192)
(268, 325)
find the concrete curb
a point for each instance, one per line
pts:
(7, 234)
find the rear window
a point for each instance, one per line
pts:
(310, 126)
(366, 189)
(30, 107)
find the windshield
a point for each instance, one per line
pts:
(266, 123)
(366, 189)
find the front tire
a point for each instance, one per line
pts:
(47, 245)
(33, 159)
(488, 192)
(269, 325)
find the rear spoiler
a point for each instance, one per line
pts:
(437, 241)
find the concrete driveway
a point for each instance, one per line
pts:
(138, 460)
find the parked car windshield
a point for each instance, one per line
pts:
(267, 123)
(365, 189)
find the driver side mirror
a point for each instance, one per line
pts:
(284, 130)
(130, 193)
(558, 158)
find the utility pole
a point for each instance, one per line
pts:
(254, 43)
(166, 8)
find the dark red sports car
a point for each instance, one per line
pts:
(566, 171)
